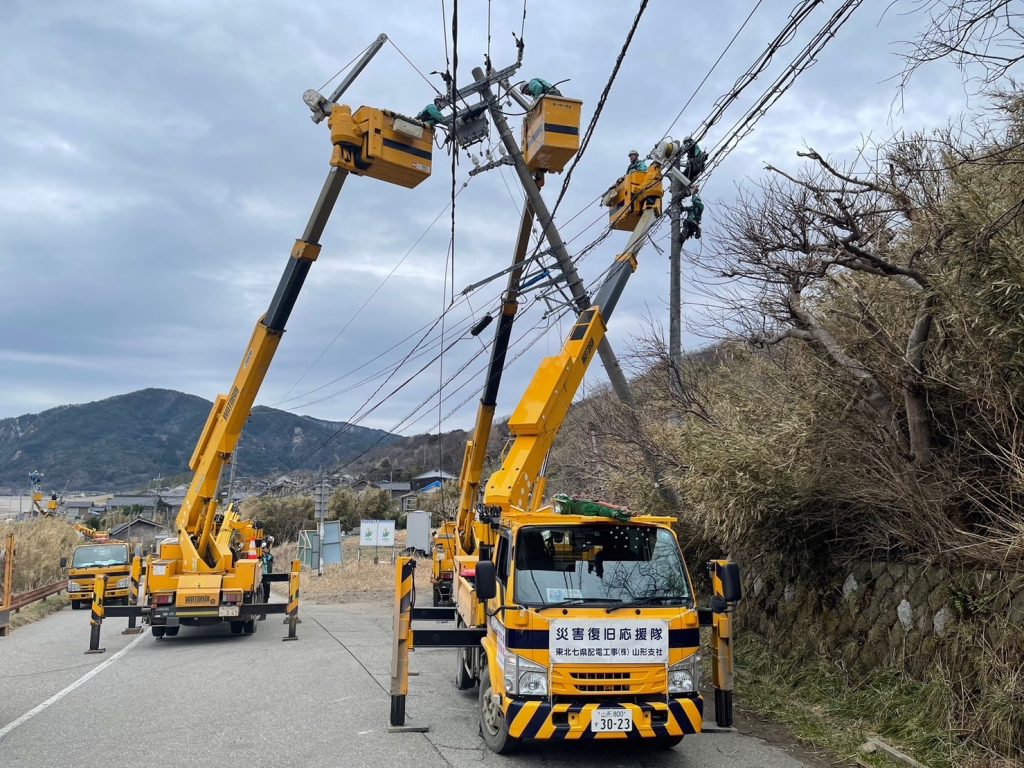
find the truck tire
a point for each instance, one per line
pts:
(249, 627)
(463, 678)
(172, 631)
(158, 631)
(236, 627)
(493, 725)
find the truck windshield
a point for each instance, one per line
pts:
(598, 563)
(100, 556)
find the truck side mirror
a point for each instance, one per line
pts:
(63, 563)
(486, 584)
(729, 575)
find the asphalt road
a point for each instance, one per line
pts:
(206, 698)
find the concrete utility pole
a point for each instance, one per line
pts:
(675, 341)
(579, 293)
(558, 249)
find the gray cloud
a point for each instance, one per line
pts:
(156, 163)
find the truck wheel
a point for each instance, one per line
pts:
(158, 631)
(493, 725)
(236, 627)
(463, 679)
(76, 605)
(249, 627)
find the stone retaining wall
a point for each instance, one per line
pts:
(874, 614)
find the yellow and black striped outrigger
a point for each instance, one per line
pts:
(429, 637)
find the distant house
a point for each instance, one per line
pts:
(422, 480)
(397, 489)
(152, 506)
(407, 502)
(283, 486)
(80, 509)
(142, 531)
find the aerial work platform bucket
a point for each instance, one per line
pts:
(632, 195)
(381, 144)
(551, 133)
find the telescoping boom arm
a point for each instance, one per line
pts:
(371, 142)
(519, 483)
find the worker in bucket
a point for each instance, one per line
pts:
(538, 87)
(635, 163)
(431, 114)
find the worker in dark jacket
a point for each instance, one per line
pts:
(538, 87)
(695, 159)
(635, 163)
(694, 211)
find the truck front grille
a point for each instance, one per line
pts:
(569, 680)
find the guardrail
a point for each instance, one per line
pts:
(27, 598)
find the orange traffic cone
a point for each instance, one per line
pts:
(251, 554)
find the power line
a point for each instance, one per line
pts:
(800, 64)
(362, 306)
(585, 142)
(713, 67)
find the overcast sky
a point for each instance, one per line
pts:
(157, 162)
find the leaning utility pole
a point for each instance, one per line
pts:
(558, 249)
(579, 293)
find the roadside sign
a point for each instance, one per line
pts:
(376, 533)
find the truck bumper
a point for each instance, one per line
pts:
(109, 595)
(172, 616)
(570, 721)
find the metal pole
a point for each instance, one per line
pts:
(319, 105)
(8, 572)
(675, 343)
(320, 527)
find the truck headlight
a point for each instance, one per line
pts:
(684, 677)
(525, 678)
(74, 586)
(122, 583)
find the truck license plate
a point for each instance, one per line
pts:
(611, 720)
(228, 610)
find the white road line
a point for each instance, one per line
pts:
(61, 694)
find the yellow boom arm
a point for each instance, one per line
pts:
(519, 482)
(374, 143)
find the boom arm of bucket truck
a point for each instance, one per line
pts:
(208, 555)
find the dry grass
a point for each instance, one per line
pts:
(39, 545)
(39, 610)
(829, 710)
(358, 579)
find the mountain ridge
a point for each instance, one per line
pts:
(126, 440)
